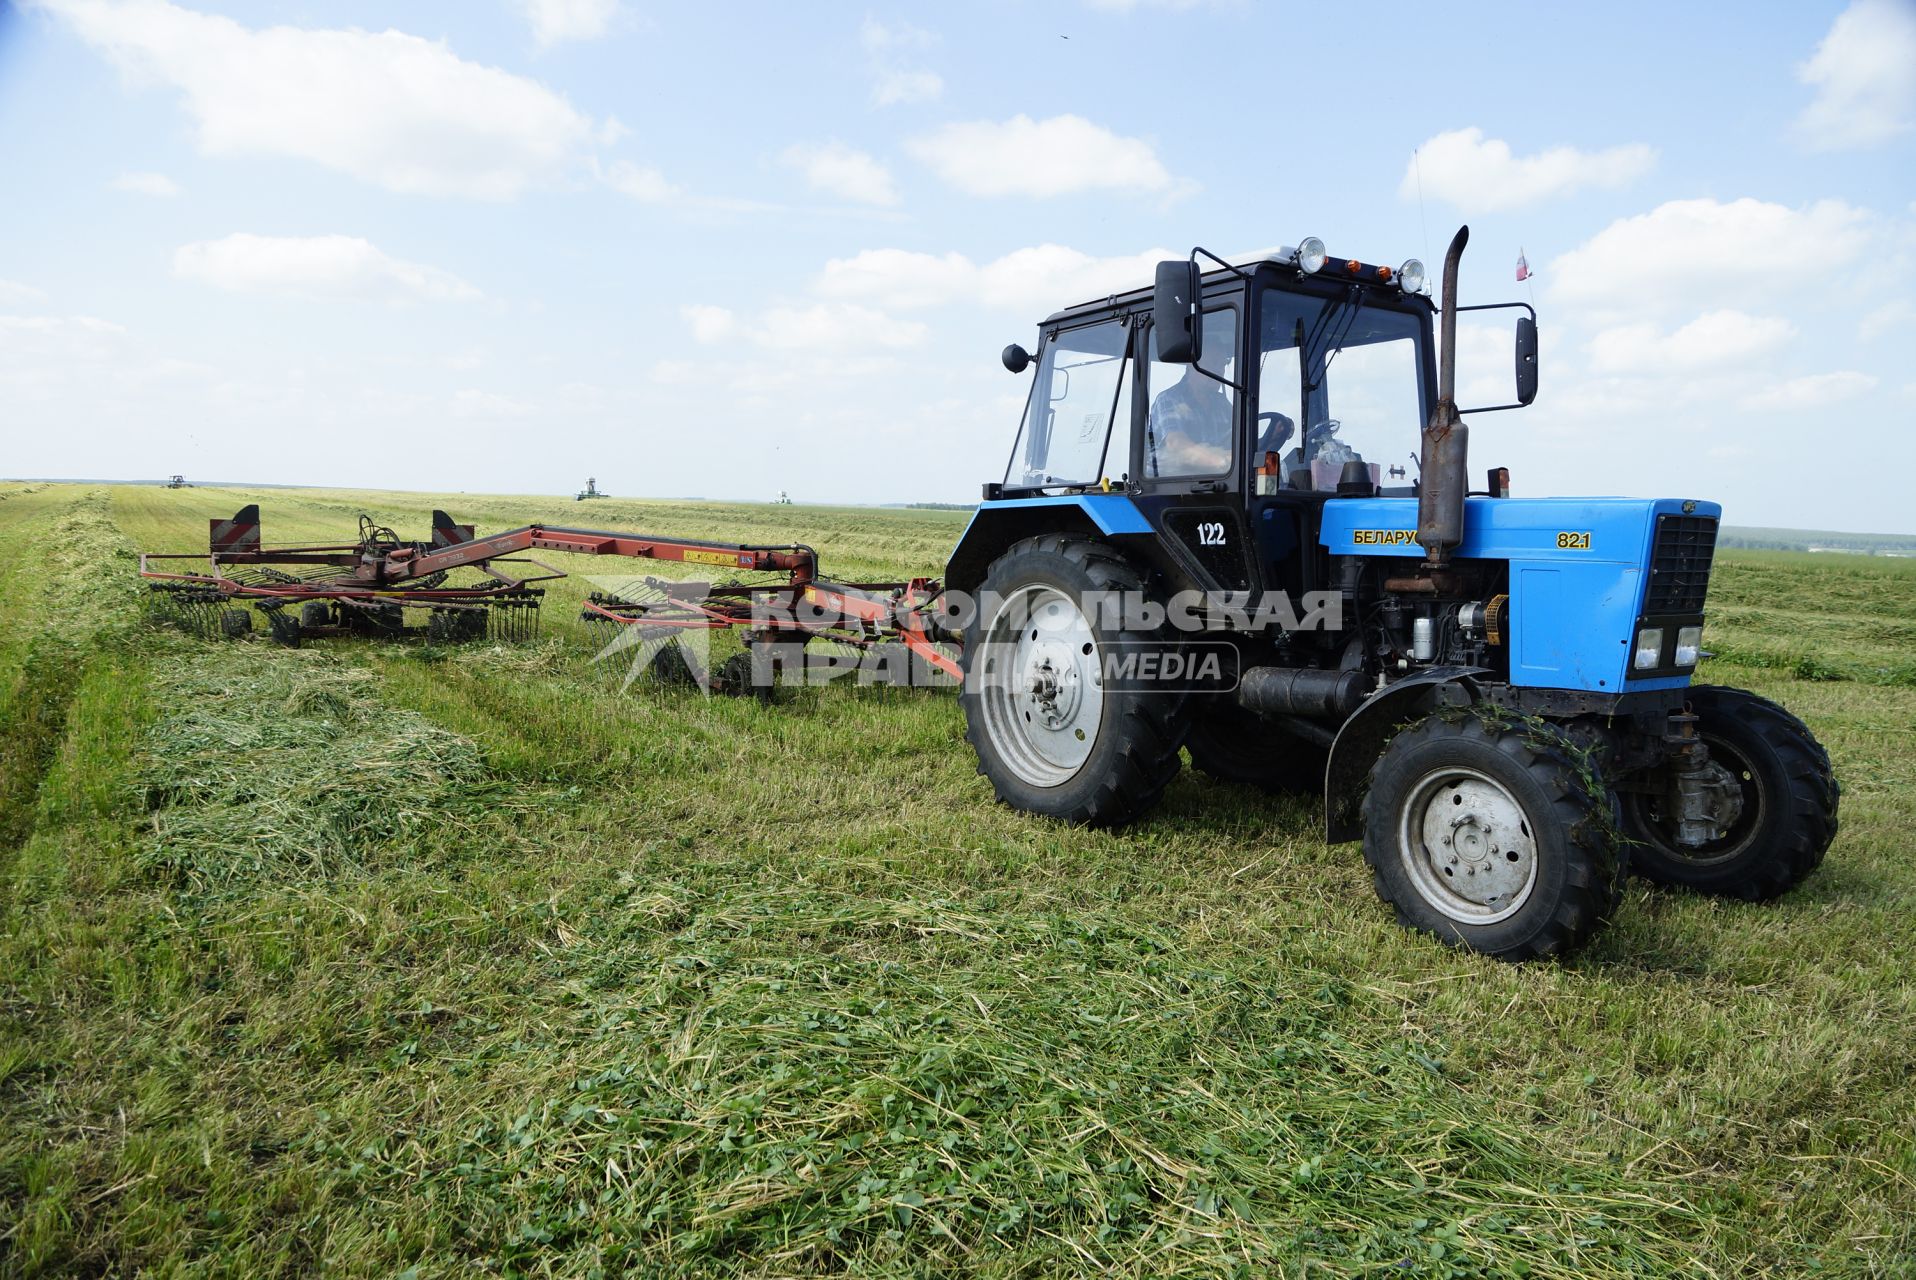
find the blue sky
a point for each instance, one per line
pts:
(731, 250)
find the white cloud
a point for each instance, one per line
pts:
(1466, 169)
(1813, 391)
(910, 85)
(1864, 76)
(1043, 277)
(883, 38)
(894, 79)
(146, 184)
(1898, 314)
(709, 323)
(822, 326)
(843, 171)
(647, 186)
(1041, 158)
(332, 266)
(50, 358)
(1714, 340)
(834, 326)
(89, 329)
(13, 293)
(389, 108)
(556, 21)
(1704, 252)
(471, 404)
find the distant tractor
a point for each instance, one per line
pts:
(591, 490)
(178, 482)
(1493, 693)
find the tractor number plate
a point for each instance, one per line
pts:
(1568, 541)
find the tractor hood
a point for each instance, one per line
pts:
(1586, 574)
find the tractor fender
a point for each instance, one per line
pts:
(996, 525)
(1369, 729)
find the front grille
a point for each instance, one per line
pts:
(1680, 564)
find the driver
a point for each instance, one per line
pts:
(1191, 423)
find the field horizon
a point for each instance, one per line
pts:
(1739, 537)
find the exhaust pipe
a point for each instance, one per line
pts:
(1443, 484)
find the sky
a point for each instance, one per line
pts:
(730, 251)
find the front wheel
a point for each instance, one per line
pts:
(1788, 818)
(1050, 734)
(1490, 837)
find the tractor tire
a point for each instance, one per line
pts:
(1491, 838)
(315, 613)
(1233, 745)
(1790, 800)
(236, 624)
(1049, 736)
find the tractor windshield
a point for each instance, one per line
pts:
(1339, 381)
(1079, 388)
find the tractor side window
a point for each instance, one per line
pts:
(1189, 430)
(1068, 419)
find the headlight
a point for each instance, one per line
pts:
(1410, 277)
(1649, 649)
(1310, 256)
(1689, 645)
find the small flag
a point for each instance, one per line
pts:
(1523, 267)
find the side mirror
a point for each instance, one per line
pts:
(1526, 359)
(1016, 358)
(1175, 317)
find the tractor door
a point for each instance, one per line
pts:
(1188, 450)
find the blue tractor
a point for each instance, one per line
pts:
(1213, 536)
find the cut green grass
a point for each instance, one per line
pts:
(368, 958)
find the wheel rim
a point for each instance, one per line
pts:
(1042, 694)
(1652, 823)
(1467, 846)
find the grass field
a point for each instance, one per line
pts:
(431, 961)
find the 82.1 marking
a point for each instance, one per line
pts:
(1573, 541)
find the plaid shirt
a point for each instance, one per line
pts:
(1195, 407)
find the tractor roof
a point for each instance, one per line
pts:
(1282, 261)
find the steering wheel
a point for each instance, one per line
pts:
(1322, 431)
(1274, 431)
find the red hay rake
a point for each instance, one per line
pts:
(772, 595)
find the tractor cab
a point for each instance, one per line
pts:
(1229, 406)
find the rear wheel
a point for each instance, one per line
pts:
(1050, 735)
(1489, 837)
(1790, 798)
(236, 623)
(1234, 745)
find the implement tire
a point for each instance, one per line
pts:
(1790, 800)
(1050, 737)
(1489, 837)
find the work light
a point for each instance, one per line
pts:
(1649, 649)
(1410, 276)
(1689, 646)
(1310, 256)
